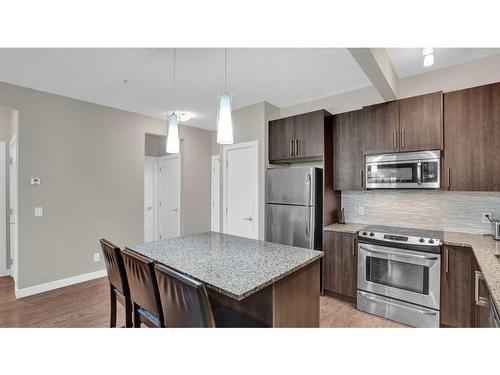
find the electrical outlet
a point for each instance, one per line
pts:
(484, 217)
(361, 210)
(97, 257)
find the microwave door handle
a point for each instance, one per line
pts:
(307, 203)
(419, 173)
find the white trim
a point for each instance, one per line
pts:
(40, 288)
(225, 149)
(3, 209)
(14, 242)
(215, 187)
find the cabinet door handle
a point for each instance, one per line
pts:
(446, 260)
(394, 139)
(480, 301)
(449, 177)
(296, 147)
(402, 138)
(353, 245)
(290, 148)
(362, 180)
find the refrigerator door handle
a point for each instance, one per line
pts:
(307, 203)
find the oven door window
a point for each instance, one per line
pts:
(393, 173)
(401, 275)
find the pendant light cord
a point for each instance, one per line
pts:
(173, 85)
(225, 69)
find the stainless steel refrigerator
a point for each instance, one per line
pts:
(294, 199)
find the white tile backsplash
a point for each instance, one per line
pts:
(439, 210)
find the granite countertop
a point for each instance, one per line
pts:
(234, 266)
(485, 248)
(345, 228)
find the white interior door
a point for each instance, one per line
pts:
(215, 210)
(3, 210)
(241, 189)
(169, 196)
(13, 206)
(150, 199)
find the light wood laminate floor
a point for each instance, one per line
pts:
(87, 305)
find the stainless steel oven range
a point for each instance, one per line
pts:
(399, 274)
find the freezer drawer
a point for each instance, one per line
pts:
(399, 311)
(290, 225)
(296, 186)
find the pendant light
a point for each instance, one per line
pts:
(224, 118)
(173, 124)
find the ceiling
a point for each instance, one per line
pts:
(409, 61)
(140, 80)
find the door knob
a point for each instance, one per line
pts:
(174, 209)
(248, 218)
(149, 208)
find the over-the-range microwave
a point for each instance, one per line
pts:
(408, 170)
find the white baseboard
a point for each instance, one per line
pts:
(36, 289)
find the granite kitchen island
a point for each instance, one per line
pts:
(276, 284)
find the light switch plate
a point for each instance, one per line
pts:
(361, 210)
(35, 180)
(97, 257)
(38, 211)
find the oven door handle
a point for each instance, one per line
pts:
(397, 253)
(376, 300)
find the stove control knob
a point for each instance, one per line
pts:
(431, 241)
(421, 240)
(365, 233)
(372, 234)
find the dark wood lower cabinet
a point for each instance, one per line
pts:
(456, 287)
(464, 293)
(340, 264)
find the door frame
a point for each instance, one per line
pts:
(160, 159)
(225, 149)
(13, 180)
(155, 195)
(215, 195)
(4, 270)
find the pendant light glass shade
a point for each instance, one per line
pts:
(173, 134)
(224, 120)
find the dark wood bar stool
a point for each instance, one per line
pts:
(118, 284)
(185, 304)
(141, 277)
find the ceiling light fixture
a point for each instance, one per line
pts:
(428, 56)
(224, 117)
(184, 116)
(173, 124)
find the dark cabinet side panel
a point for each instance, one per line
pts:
(348, 151)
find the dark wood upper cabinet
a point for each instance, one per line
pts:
(421, 122)
(457, 293)
(281, 134)
(340, 264)
(472, 139)
(381, 124)
(297, 138)
(309, 129)
(348, 165)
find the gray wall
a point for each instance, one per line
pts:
(155, 145)
(90, 160)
